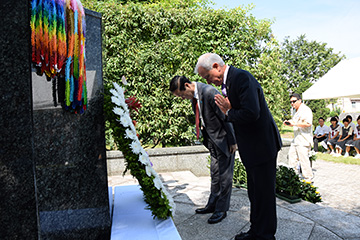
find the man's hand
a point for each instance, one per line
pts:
(290, 123)
(233, 148)
(223, 103)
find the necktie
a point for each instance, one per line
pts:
(223, 90)
(197, 118)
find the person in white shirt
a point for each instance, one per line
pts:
(321, 133)
(301, 145)
(355, 142)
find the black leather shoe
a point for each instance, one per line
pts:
(217, 217)
(244, 236)
(205, 210)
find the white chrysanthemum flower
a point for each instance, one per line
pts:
(125, 120)
(144, 159)
(143, 152)
(132, 127)
(136, 147)
(121, 103)
(130, 134)
(117, 100)
(158, 183)
(118, 111)
(154, 173)
(125, 106)
(119, 89)
(113, 92)
(148, 170)
(117, 96)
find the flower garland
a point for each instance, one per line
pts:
(137, 160)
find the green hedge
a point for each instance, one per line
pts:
(150, 43)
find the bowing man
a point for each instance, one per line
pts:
(245, 106)
(218, 137)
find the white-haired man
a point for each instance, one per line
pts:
(257, 138)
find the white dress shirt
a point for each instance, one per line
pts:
(319, 131)
(303, 135)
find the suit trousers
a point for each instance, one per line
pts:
(221, 169)
(261, 192)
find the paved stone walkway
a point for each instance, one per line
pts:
(339, 185)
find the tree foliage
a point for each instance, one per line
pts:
(306, 61)
(151, 43)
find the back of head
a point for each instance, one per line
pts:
(207, 60)
(178, 82)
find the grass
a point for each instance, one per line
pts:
(345, 160)
(287, 132)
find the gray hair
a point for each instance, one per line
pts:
(207, 60)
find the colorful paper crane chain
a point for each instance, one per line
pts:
(58, 46)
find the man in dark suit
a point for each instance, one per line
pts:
(219, 138)
(257, 138)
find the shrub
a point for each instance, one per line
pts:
(151, 43)
(287, 181)
(309, 192)
(240, 176)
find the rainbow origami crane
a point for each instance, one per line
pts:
(58, 46)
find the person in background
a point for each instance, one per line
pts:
(338, 119)
(333, 136)
(345, 135)
(321, 133)
(355, 142)
(351, 124)
(219, 138)
(301, 145)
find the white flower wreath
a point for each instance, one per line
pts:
(122, 111)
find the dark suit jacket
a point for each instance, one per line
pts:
(217, 129)
(256, 133)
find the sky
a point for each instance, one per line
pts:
(335, 22)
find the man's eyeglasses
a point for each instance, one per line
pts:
(293, 101)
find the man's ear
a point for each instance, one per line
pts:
(215, 65)
(187, 85)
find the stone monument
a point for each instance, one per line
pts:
(53, 178)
